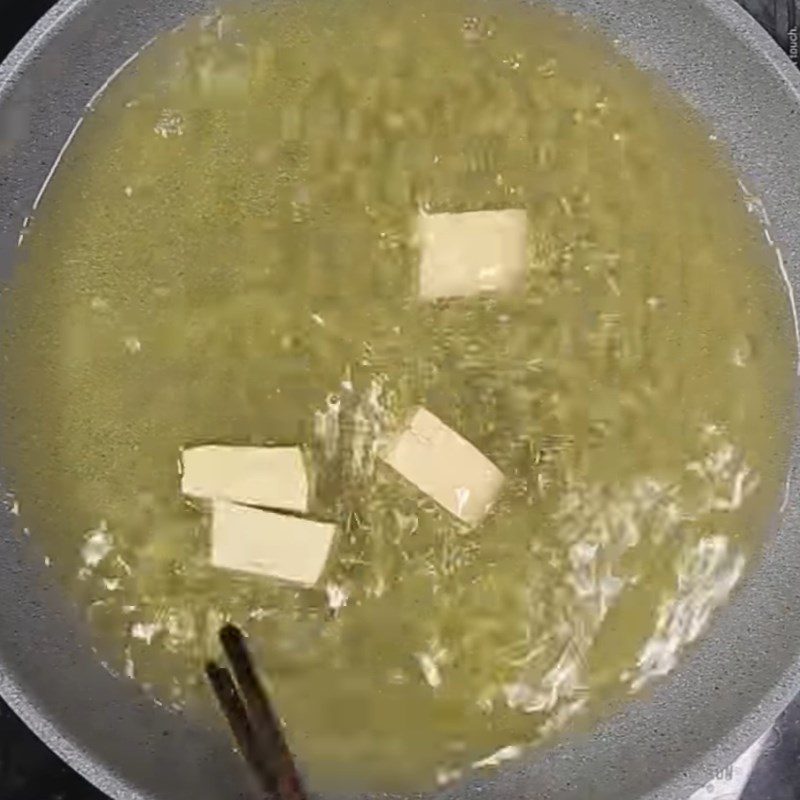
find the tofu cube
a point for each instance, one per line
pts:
(271, 477)
(270, 544)
(446, 467)
(466, 254)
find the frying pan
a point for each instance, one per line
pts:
(726, 690)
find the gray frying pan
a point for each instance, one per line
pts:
(723, 694)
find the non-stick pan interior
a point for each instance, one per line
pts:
(722, 695)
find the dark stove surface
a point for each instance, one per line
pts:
(29, 771)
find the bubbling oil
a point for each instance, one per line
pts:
(229, 242)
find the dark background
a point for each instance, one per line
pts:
(28, 771)
(16, 16)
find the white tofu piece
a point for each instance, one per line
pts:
(268, 543)
(272, 477)
(446, 467)
(466, 254)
